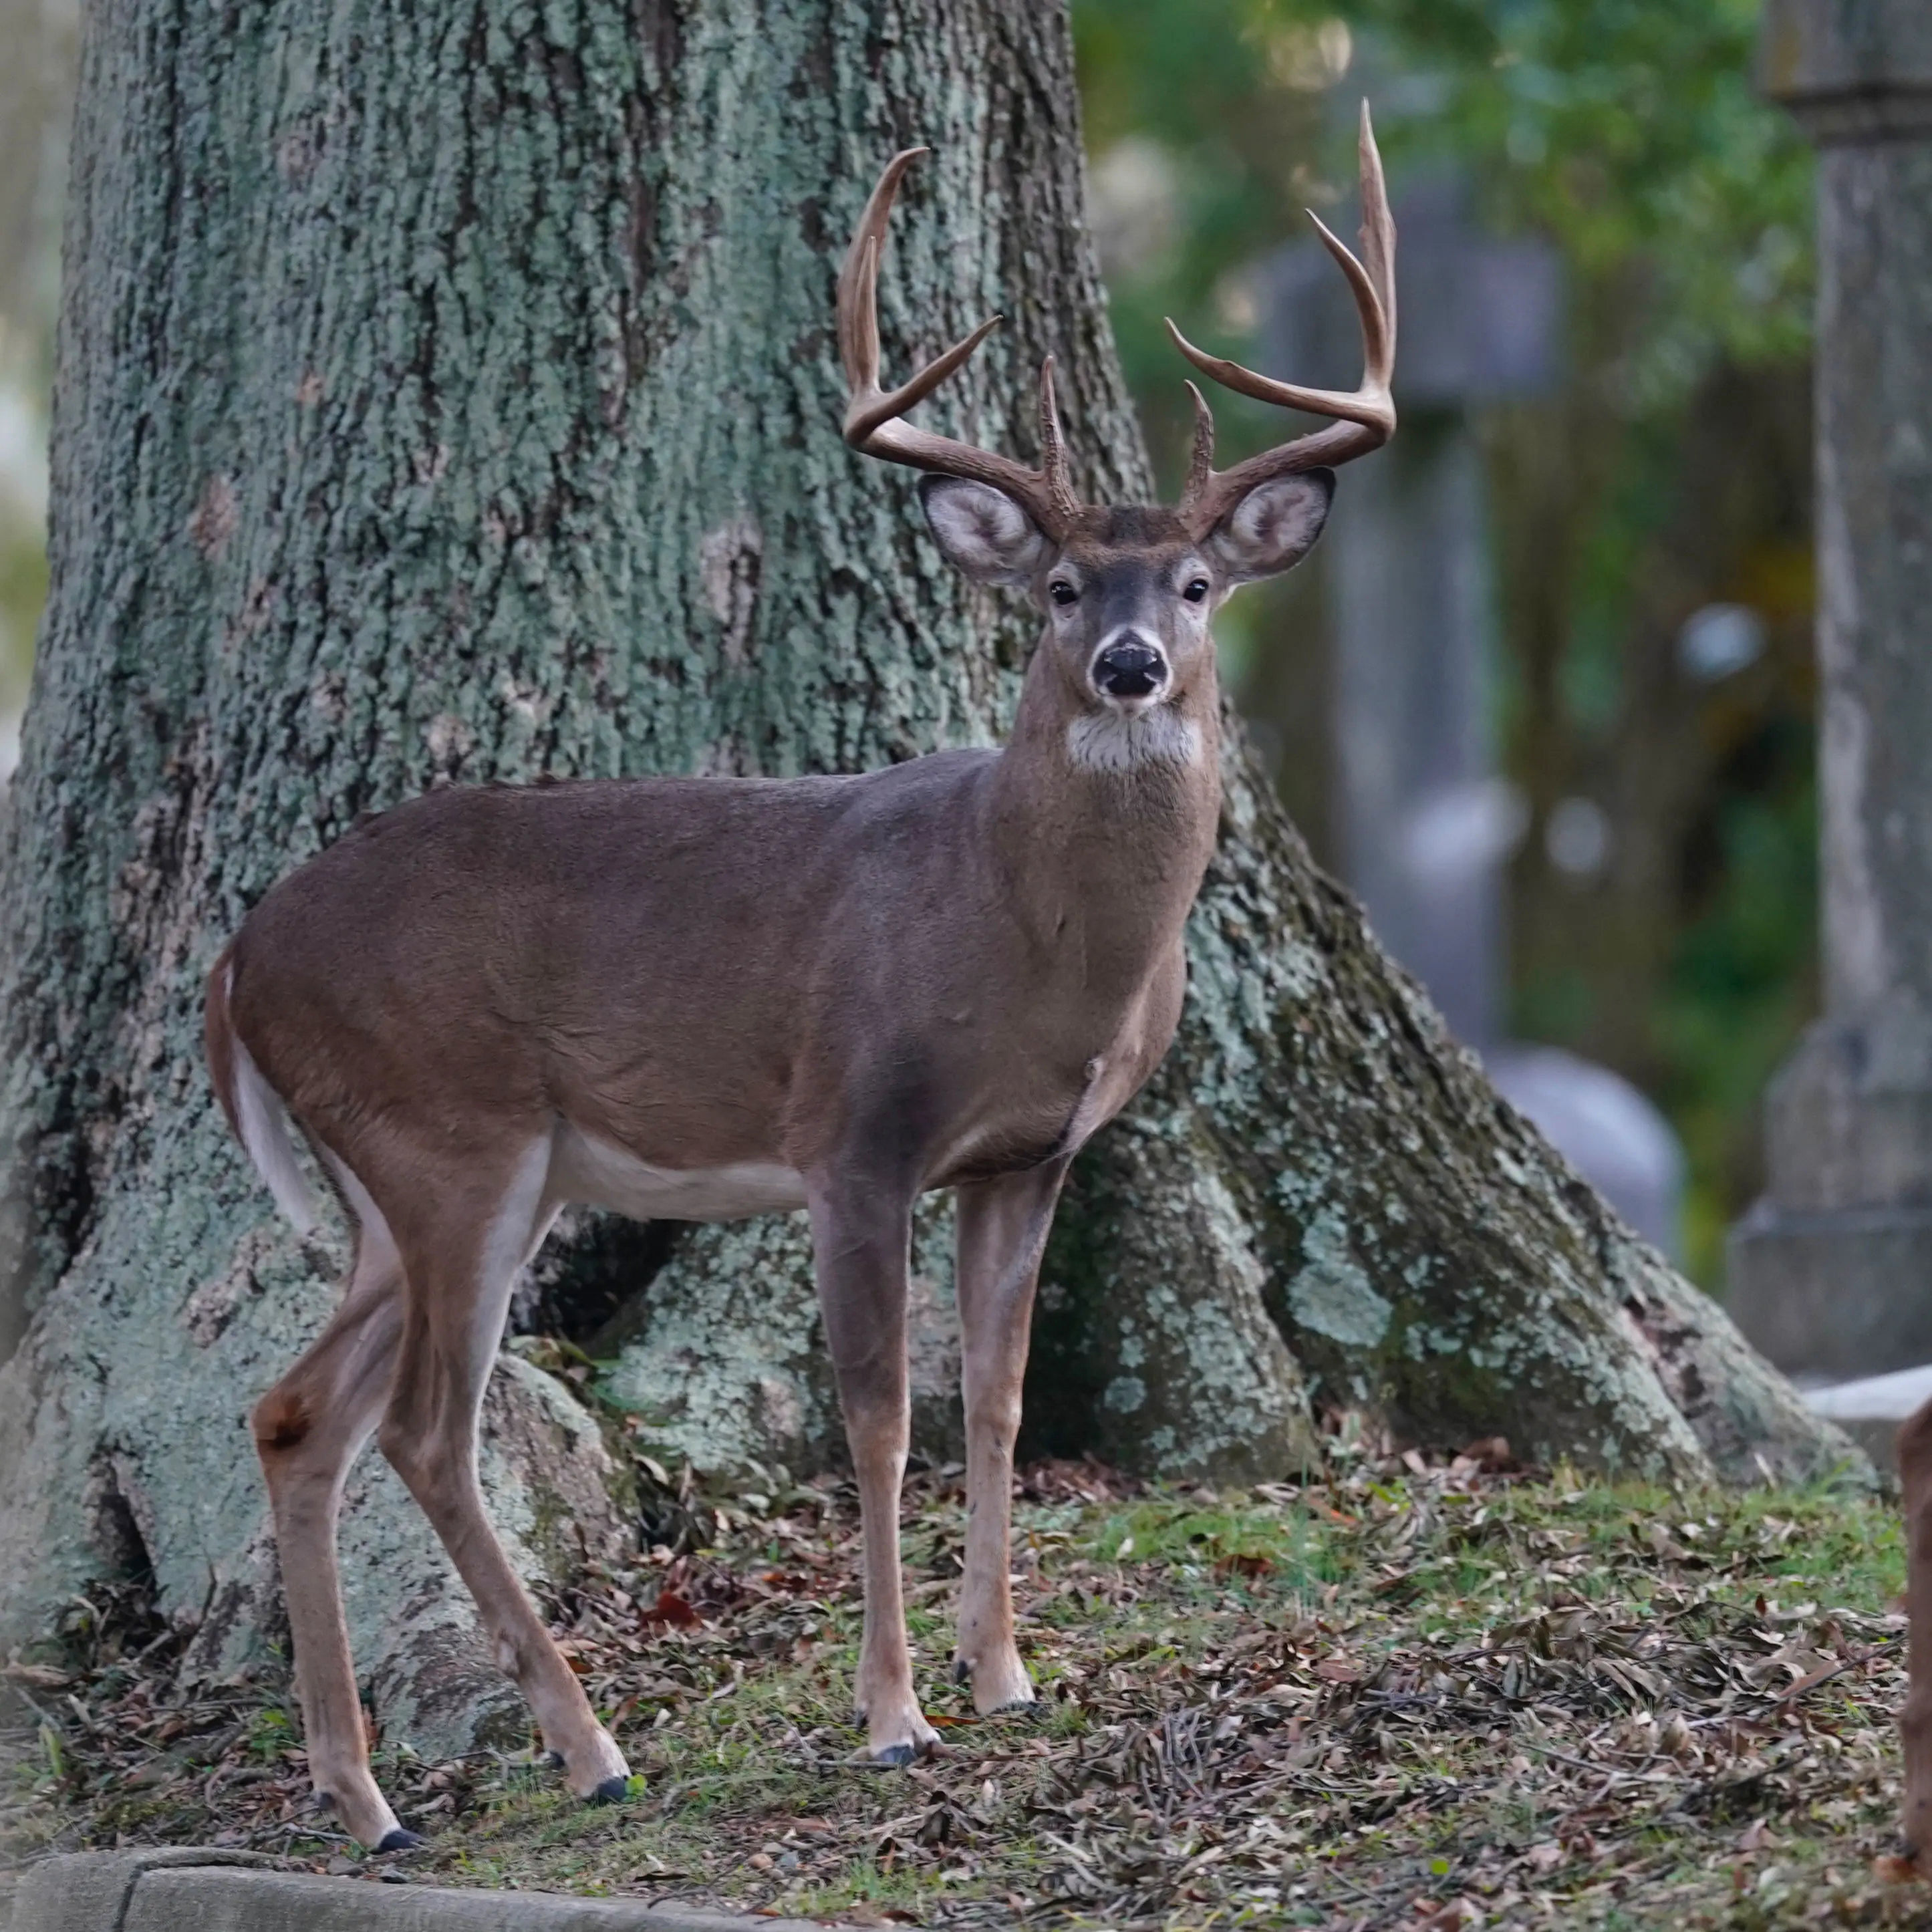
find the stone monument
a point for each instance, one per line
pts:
(1831, 1273)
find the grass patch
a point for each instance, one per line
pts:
(1395, 1695)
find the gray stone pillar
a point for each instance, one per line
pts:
(1830, 1273)
(1424, 818)
(1425, 821)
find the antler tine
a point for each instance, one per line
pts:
(872, 424)
(1377, 233)
(1201, 462)
(1053, 448)
(1365, 416)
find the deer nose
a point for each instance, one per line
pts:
(1130, 669)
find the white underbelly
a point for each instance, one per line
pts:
(598, 1175)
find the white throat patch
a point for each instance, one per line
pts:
(1114, 741)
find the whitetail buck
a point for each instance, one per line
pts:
(707, 998)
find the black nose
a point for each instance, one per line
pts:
(1129, 671)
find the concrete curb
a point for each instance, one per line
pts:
(186, 1890)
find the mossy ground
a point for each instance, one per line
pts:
(1389, 1695)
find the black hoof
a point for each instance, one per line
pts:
(612, 1791)
(554, 1759)
(400, 1840)
(894, 1757)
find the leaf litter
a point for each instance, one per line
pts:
(1399, 1693)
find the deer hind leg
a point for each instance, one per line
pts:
(461, 1262)
(308, 1429)
(861, 1241)
(1003, 1226)
(1915, 1468)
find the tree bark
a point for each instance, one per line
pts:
(448, 393)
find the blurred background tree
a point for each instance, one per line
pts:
(40, 40)
(1661, 899)
(1650, 513)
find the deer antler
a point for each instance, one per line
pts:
(1366, 414)
(873, 424)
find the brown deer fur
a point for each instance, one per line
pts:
(704, 998)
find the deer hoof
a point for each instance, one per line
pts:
(612, 1791)
(400, 1840)
(1023, 1706)
(894, 1757)
(1000, 1683)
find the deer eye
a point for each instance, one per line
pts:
(1196, 590)
(1063, 593)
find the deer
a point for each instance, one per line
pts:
(705, 998)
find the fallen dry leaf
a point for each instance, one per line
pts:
(672, 1609)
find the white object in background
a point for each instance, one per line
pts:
(23, 455)
(1874, 1398)
(1871, 1409)
(1613, 1136)
(1463, 829)
(1577, 837)
(1718, 640)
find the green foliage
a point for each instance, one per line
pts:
(23, 590)
(1196, 1542)
(271, 1735)
(1738, 993)
(1629, 132)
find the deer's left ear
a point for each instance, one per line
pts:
(1274, 527)
(983, 531)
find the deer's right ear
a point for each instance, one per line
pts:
(1274, 527)
(983, 531)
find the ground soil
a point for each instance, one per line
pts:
(1392, 1695)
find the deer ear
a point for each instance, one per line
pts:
(1274, 527)
(983, 531)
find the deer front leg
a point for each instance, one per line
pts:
(1002, 1231)
(861, 1239)
(1914, 1469)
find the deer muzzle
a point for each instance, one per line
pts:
(1130, 669)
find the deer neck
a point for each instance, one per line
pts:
(1101, 827)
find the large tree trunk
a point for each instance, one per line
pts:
(446, 392)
